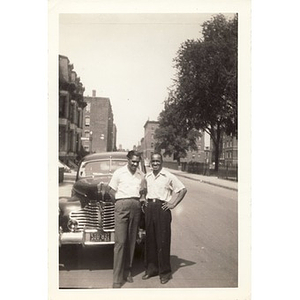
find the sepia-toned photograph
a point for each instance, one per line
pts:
(151, 126)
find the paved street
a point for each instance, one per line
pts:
(204, 251)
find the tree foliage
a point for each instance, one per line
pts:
(207, 76)
(205, 95)
(173, 135)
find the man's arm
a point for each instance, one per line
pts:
(178, 199)
(143, 190)
(112, 194)
(113, 185)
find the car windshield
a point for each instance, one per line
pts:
(100, 167)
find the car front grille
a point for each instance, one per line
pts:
(95, 215)
(108, 216)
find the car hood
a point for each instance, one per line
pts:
(93, 188)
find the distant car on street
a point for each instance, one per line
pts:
(87, 217)
(64, 166)
(62, 169)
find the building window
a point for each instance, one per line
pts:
(62, 139)
(88, 107)
(152, 145)
(62, 110)
(87, 121)
(71, 116)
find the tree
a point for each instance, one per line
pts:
(206, 87)
(173, 136)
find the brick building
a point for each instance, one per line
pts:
(148, 141)
(99, 129)
(114, 137)
(147, 146)
(71, 105)
(229, 151)
(203, 152)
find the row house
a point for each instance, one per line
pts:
(71, 105)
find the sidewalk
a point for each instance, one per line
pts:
(227, 184)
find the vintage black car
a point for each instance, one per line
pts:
(87, 217)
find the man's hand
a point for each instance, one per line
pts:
(167, 205)
(144, 203)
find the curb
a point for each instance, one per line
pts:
(208, 182)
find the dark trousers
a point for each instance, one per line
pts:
(127, 217)
(158, 240)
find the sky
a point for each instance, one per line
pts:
(129, 59)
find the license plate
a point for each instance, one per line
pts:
(99, 237)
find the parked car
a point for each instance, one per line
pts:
(87, 217)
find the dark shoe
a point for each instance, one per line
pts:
(164, 280)
(146, 276)
(129, 278)
(116, 285)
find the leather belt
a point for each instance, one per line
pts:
(131, 198)
(156, 200)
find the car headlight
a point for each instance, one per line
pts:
(72, 225)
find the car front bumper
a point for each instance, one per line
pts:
(88, 237)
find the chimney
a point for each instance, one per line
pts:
(94, 93)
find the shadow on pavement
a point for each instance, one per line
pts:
(76, 257)
(73, 257)
(177, 263)
(138, 266)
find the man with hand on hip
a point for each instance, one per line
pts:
(161, 185)
(126, 187)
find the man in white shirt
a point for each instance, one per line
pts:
(161, 185)
(126, 186)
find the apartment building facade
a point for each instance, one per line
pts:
(203, 152)
(71, 106)
(148, 141)
(229, 151)
(99, 131)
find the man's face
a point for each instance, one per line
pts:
(133, 163)
(156, 162)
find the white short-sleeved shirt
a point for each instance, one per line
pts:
(126, 184)
(163, 185)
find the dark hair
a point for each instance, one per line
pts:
(157, 153)
(132, 153)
